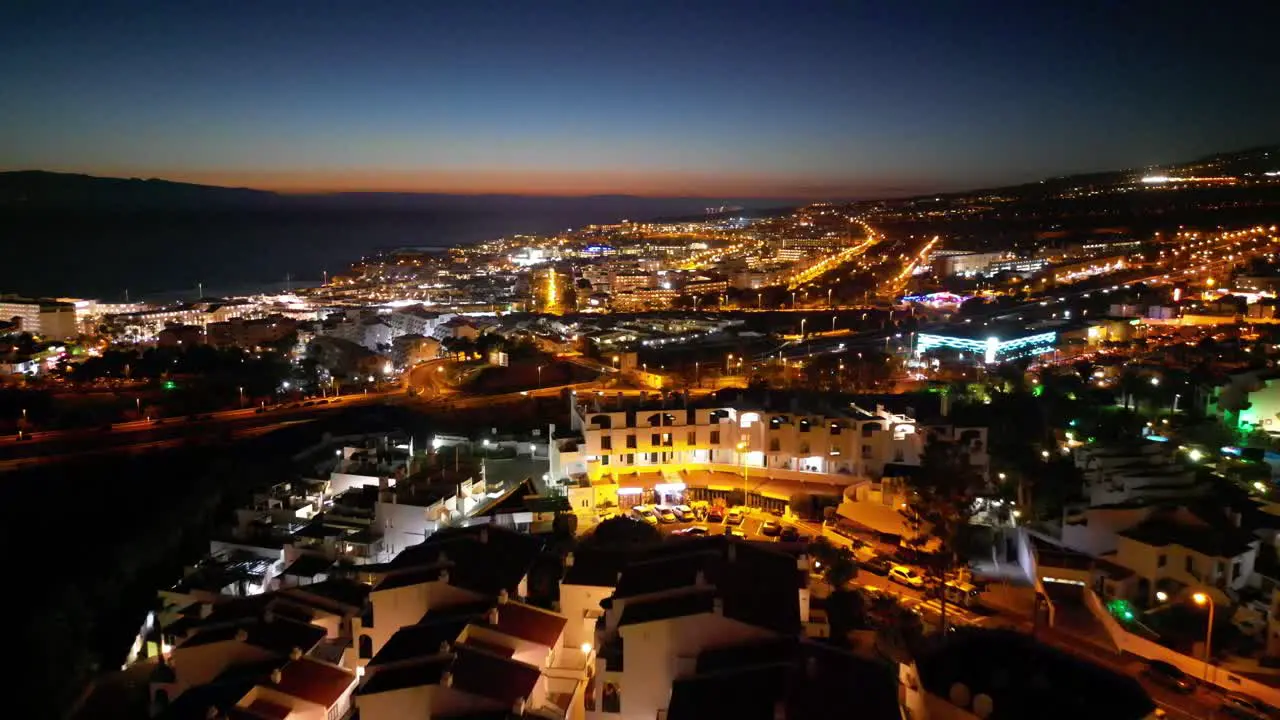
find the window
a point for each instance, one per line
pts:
(1235, 571)
(715, 437)
(804, 448)
(866, 452)
(366, 647)
(631, 442)
(631, 459)
(604, 459)
(666, 439)
(835, 429)
(1191, 565)
(366, 618)
(1162, 560)
(774, 445)
(693, 438)
(655, 439)
(606, 443)
(804, 426)
(897, 456)
(653, 458)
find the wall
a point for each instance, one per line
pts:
(402, 525)
(397, 704)
(1128, 642)
(397, 607)
(658, 652)
(575, 602)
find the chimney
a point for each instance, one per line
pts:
(212, 713)
(242, 635)
(493, 616)
(717, 606)
(502, 596)
(444, 647)
(700, 580)
(446, 679)
(517, 707)
(568, 560)
(618, 581)
(276, 676)
(295, 653)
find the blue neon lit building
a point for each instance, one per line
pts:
(991, 348)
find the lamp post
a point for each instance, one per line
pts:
(833, 323)
(728, 364)
(241, 389)
(540, 375)
(1203, 599)
(829, 297)
(802, 322)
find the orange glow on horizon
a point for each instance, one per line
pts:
(523, 182)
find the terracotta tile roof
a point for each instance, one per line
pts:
(267, 710)
(278, 635)
(387, 679)
(530, 623)
(799, 678)
(419, 641)
(488, 675)
(314, 681)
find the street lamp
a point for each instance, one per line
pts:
(829, 297)
(241, 389)
(1203, 599)
(540, 375)
(802, 322)
(833, 323)
(742, 447)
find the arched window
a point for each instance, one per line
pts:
(366, 647)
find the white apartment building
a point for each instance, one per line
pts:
(54, 320)
(668, 448)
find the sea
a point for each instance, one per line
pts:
(158, 254)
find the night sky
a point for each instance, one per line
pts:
(735, 98)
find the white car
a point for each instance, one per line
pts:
(904, 575)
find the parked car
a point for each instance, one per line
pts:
(665, 514)
(683, 512)
(735, 516)
(771, 528)
(877, 565)
(1243, 706)
(695, 531)
(735, 532)
(644, 514)
(1169, 675)
(789, 534)
(904, 575)
(715, 514)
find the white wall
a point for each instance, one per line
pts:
(397, 607)
(575, 602)
(656, 653)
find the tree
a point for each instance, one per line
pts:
(938, 509)
(622, 532)
(841, 569)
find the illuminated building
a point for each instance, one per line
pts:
(990, 348)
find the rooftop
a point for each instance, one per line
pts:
(1026, 679)
(315, 682)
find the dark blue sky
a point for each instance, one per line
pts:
(731, 98)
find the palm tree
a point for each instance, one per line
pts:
(938, 509)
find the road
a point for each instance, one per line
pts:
(989, 612)
(308, 407)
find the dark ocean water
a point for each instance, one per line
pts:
(101, 254)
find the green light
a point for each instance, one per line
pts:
(1122, 609)
(1038, 391)
(170, 385)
